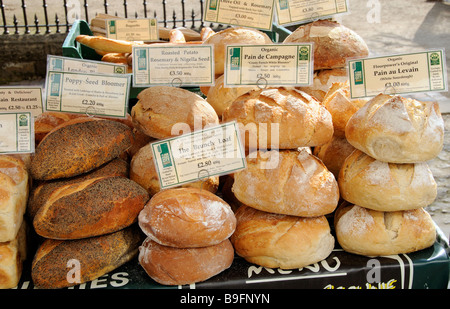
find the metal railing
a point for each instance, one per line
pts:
(32, 17)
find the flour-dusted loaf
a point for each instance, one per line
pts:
(78, 146)
(88, 208)
(281, 241)
(368, 232)
(143, 171)
(323, 80)
(177, 266)
(384, 186)
(63, 263)
(290, 182)
(334, 153)
(233, 35)
(282, 118)
(333, 43)
(186, 218)
(160, 108)
(397, 129)
(14, 190)
(13, 253)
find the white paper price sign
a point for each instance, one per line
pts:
(194, 156)
(398, 74)
(245, 13)
(19, 99)
(297, 11)
(269, 65)
(17, 133)
(174, 65)
(136, 29)
(91, 94)
(66, 64)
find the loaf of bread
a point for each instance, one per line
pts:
(90, 208)
(13, 253)
(332, 42)
(159, 108)
(282, 118)
(177, 266)
(298, 184)
(63, 263)
(41, 192)
(368, 232)
(186, 218)
(397, 129)
(143, 171)
(323, 80)
(281, 241)
(78, 146)
(221, 97)
(383, 186)
(338, 102)
(334, 153)
(14, 189)
(233, 35)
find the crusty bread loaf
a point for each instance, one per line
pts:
(332, 42)
(90, 208)
(143, 171)
(63, 263)
(323, 80)
(186, 218)
(281, 241)
(78, 146)
(298, 184)
(341, 107)
(159, 108)
(178, 266)
(397, 129)
(283, 118)
(384, 186)
(334, 153)
(233, 35)
(12, 255)
(221, 97)
(364, 231)
(40, 193)
(14, 189)
(106, 44)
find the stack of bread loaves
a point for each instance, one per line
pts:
(285, 192)
(14, 190)
(83, 205)
(386, 181)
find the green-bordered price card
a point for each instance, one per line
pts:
(398, 74)
(21, 99)
(17, 132)
(269, 65)
(300, 11)
(91, 94)
(136, 29)
(200, 154)
(74, 65)
(173, 65)
(245, 13)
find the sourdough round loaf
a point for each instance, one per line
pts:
(187, 218)
(177, 266)
(143, 171)
(334, 153)
(368, 232)
(396, 129)
(287, 182)
(78, 146)
(332, 42)
(384, 186)
(159, 108)
(281, 241)
(284, 118)
(233, 35)
(323, 80)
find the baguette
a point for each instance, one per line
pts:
(106, 44)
